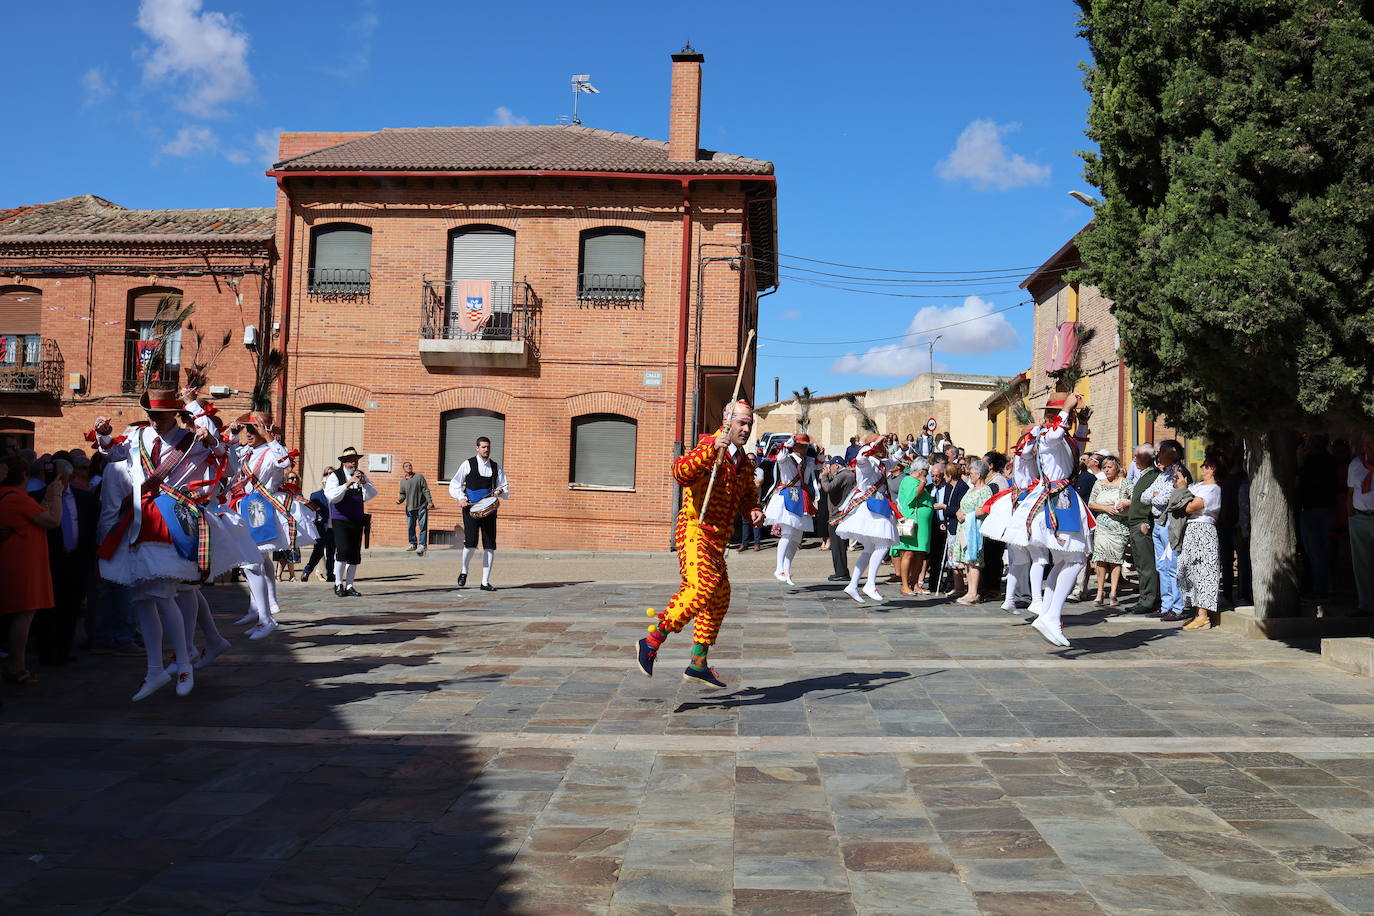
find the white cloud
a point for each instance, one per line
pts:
(357, 38)
(504, 117)
(96, 84)
(791, 315)
(191, 140)
(964, 329)
(202, 55)
(981, 158)
(261, 150)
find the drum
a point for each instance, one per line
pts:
(484, 507)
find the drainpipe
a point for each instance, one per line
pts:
(290, 253)
(684, 312)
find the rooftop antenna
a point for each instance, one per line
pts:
(581, 82)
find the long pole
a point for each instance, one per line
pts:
(739, 379)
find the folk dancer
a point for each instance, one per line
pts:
(478, 478)
(867, 516)
(155, 532)
(1052, 516)
(701, 535)
(347, 490)
(792, 505)
(1024, 561)
(276, 518)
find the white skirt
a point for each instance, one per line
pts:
(146, 562)
(1040, 534)
(997, 523)
(230, 543)
(861, 523)
(776, 514)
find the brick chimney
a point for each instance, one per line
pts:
(684, 110)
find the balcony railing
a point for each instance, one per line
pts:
(610, 289)
(340, 283)
(507, 339)
(136, 354)
(34, 366)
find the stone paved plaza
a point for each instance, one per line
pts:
(429, 750)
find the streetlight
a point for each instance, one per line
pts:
(1086, 200)
(932, 364)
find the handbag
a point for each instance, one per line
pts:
(906, 527)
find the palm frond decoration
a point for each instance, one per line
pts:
(198, 369)
(865, 421)
(1015, 404)
(268, 370)
(1069, 377)
(803, 407)
(171, 314)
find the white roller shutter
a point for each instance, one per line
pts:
(604, 450)
(343, 248)
(461, 430)
(613, 263)
(484, 254)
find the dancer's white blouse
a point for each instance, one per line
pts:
(775, 513)
(861, 523)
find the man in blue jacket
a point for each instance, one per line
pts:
(324, 545)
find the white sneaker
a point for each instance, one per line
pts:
(1053, 635)
(853, 592)
(1035, 608)
(1009, 607)
(779, 576)
(152, 685)
(186, 681)
(262, 629)
(210, 655)
(251, 616)
(874, 594)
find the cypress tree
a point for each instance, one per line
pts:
(1236, 164)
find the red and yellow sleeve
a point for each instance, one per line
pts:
(696, 464)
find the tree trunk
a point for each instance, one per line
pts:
(1273, 539)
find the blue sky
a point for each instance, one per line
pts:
(919, 136)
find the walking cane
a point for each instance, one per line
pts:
(944, 558)
(739, 379)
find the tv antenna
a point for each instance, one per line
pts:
(581, 82)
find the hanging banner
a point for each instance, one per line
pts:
(472, 300)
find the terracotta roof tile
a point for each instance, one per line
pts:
(89, 217)
(543, 148)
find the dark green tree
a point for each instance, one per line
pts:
(1236, 163)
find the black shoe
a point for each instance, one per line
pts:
(837, 578)
(338, 591)
(462, 580)
(646, 655)
(350, 592)
(330, 579)
(488, 588)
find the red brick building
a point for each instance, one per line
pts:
(619, 277)
(80, 282)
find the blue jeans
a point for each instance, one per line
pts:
(111, 617)
(1314, 526)
(751, 534)
(1166, 565)
(418, 518)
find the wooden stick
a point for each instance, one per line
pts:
(739, 379)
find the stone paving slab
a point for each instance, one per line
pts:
(430, 750)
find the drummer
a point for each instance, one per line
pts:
(477, 479)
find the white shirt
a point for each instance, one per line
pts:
(1159, 492)
(334, 491)
(500, 486)
(1354, 478)
(1210, 494)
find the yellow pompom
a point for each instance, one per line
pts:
(652, 628)
(651, 612)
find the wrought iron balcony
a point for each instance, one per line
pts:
(451, 337)
(136, 354)
(610, 289)
(31, 365)
(339, 283)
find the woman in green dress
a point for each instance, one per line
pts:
(967, 552)
(909, 553)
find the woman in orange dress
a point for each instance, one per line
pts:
(24, 560)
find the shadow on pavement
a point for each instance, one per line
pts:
(1122, 642)
(850, 682)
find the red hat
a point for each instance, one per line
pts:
(1058, 400)
(155, 399)
(802, 439)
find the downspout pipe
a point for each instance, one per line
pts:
(684, 312)
(288, 258)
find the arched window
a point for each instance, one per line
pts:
(459, 431)
(149, 313)
(481, 263)
(603, 450)
(21, 323)
(340, 261)
(612, 265)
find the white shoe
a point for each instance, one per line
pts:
(186, 681)
(788, 579)
(874, 594)
(262, 629)
(210, 655)
(274, 612)
(1009, 607)
(1035, 608)
(251, 616)
(152, 685)
(1053, 635)
(853, 592)
(780, 577)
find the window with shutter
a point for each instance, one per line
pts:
(341, 261)
(485, 255)
(21, 310)
(603, 451)
(612, 265)
(460, 431)
(145, 305)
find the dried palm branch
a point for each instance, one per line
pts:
(803, 407)
(171, 314)
(198, 369)
(865, 421)
(268, 369)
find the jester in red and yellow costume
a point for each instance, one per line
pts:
(703, 529)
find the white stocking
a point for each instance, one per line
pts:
(1018, 568)
(467, 558)
(488, 557)
(350, 570)
(1063, 578)
(269, 571)
(151, 626)
(1040, 562)
(875, 560)
(339, 567)
(788, 545)
(188, 606)
(170, 613)
(257, 590)
(870, 550)
(208, 628)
